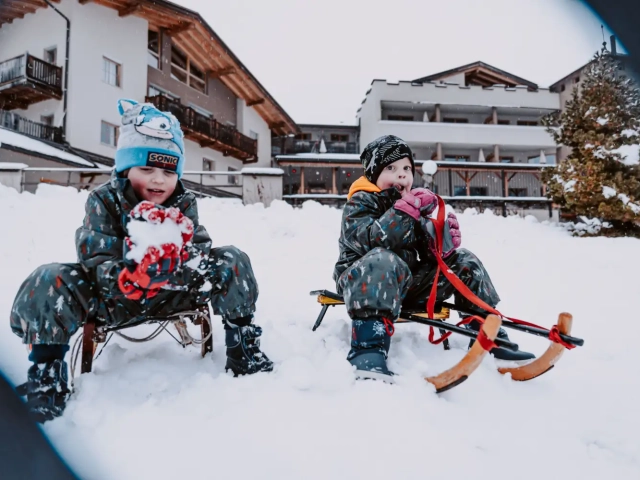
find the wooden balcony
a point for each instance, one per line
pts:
(30, 128)
(207, 131)
(25, 80)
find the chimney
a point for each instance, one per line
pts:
(613, 45)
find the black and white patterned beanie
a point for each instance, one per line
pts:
(381, 153)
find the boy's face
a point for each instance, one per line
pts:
(398, 175)
(153, 184)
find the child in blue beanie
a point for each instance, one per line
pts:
(112, 284)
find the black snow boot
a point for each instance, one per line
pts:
(243, 348)
(46, 390)
(370, 342)
(502, 353)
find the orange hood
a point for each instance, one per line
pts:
(362, 185)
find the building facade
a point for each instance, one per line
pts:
(152, 51)
(481, 125)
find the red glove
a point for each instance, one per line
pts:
(158, 264)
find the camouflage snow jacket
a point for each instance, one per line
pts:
(99, 245)
(369, 221)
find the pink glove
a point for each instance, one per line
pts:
(454, 231)
(418, 202)
(428, 200)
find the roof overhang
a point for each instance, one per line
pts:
(11, 10)
(192, 34)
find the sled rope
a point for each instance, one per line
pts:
(438, 223)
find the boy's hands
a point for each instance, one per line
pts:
(428, 200)
(417, 202)
(158, 263)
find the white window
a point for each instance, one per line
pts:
(153, 49)
(153, 91)
(253, 134)
(233, 179)
(186, 71)
(208, 165)
(111, 72)
(108, 134)
(51, 55)
(201, 111)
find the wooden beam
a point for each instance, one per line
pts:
(223, 71)
(130, 9)
(34, 3)
(84, 2)
(183, 27)
(276, 125)
(258, 101)
(17, 12)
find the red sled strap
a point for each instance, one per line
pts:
(438, 223)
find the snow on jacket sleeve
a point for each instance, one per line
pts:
(99, 244)
(199, 250)
(363, 229)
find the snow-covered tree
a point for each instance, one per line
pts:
(600, 180)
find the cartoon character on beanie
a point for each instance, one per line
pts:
(149, 137)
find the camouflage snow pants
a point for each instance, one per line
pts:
(58, 299)
(380, 283)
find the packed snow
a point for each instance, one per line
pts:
(145, 235)
(155, 410)
(27, 143)
(630, 154)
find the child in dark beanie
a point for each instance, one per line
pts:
(386, 259)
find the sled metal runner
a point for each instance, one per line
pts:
(465, 367)
(95, 333)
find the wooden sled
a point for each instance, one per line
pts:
(547, 360)
(95, 333)
(465, 367)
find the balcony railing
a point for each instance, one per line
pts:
(25, 80)
(207, 131)
(30, 128)
(293, 145)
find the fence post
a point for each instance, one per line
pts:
(11, 174)
(261, 185)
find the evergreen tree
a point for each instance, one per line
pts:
(600, 180)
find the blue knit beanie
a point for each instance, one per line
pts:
(149, 138)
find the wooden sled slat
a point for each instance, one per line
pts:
(547, 360)
(465, 367)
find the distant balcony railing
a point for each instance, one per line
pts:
(293, 145)
(28, 67)
(30, 128)
(207, 131)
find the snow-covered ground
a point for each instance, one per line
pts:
(158, 411)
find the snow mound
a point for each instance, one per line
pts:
(155, 410)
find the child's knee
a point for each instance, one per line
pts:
(231, 254)
(383, 261)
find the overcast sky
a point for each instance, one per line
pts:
(318, 58)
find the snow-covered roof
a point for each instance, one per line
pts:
(321, 156)
(31, 144)
(262, 171)
(13, 166)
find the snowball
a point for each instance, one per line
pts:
(144, 235)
